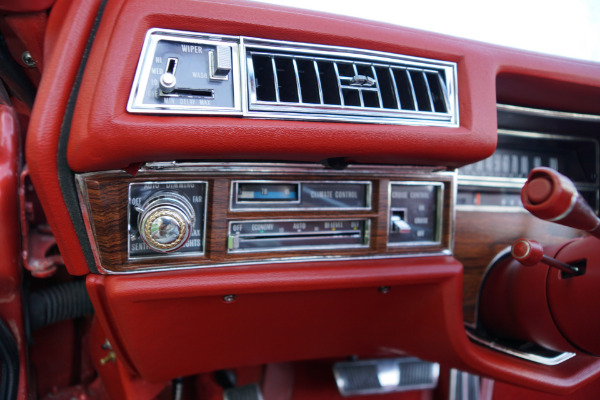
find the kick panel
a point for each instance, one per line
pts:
(171, 216)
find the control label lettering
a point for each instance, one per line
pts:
(199, 75)
(322, 194)
(189, 48)
(399, 195)
(346, 194)
(261, 227)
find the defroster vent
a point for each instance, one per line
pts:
(318, 82)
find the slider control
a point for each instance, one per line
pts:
(398, 223)
(220, 63)
(167, 80)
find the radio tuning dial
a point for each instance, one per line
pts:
(165, 221)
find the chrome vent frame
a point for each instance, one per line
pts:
(255, 107)
(246, 104)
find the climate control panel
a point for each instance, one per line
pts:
(171, 216)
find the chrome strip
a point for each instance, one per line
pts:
(316, 65)
(251, 79)
(297, 80)
(395, 85)
(280, 260)
(444, 92)
(412, 89)
(558, 359)
(339, 81)
(378, 86)
(549, 113)
(360, 91)
(429, 93)
(275, 79)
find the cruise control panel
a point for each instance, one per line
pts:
(202, 215)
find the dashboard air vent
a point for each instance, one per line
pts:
(319, 82)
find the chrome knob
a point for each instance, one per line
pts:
(165, 221)
(167, 82)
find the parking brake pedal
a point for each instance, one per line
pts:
(246, 392)
(385, 375)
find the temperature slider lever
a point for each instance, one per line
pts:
(553, 197)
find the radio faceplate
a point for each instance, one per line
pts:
(172, 216)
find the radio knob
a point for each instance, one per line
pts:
(165, 221)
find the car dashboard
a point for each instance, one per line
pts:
(245, 186)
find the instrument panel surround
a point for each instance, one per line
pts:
(105, 202)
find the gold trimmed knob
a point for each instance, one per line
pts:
(165, 221)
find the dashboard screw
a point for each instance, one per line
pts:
(110, 357)
(28, 59)
(230, 298)
(384, 289)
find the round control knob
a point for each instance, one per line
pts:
(167, 82)
(165, 221)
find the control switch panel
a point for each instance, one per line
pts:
(181, 72)
(301, 234)
(166, 218)
(415, 213)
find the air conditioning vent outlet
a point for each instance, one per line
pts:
(294, 80)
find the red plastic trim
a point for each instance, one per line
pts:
(307, 308)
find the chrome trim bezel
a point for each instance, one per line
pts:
(365, 235)
(173, 254)
(548, 113)
(358, 114)
(233, 196)
(136, 105)
(246, 105)
(439, 217)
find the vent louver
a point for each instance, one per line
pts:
(312, 83)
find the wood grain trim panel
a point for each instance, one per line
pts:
(105, 196)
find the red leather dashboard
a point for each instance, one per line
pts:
(155, 318)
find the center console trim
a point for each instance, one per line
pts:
(219, 171)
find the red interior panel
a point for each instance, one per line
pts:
(303, 311)
(168, 324)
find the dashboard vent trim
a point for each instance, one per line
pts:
(180, 73)
(301, 81)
